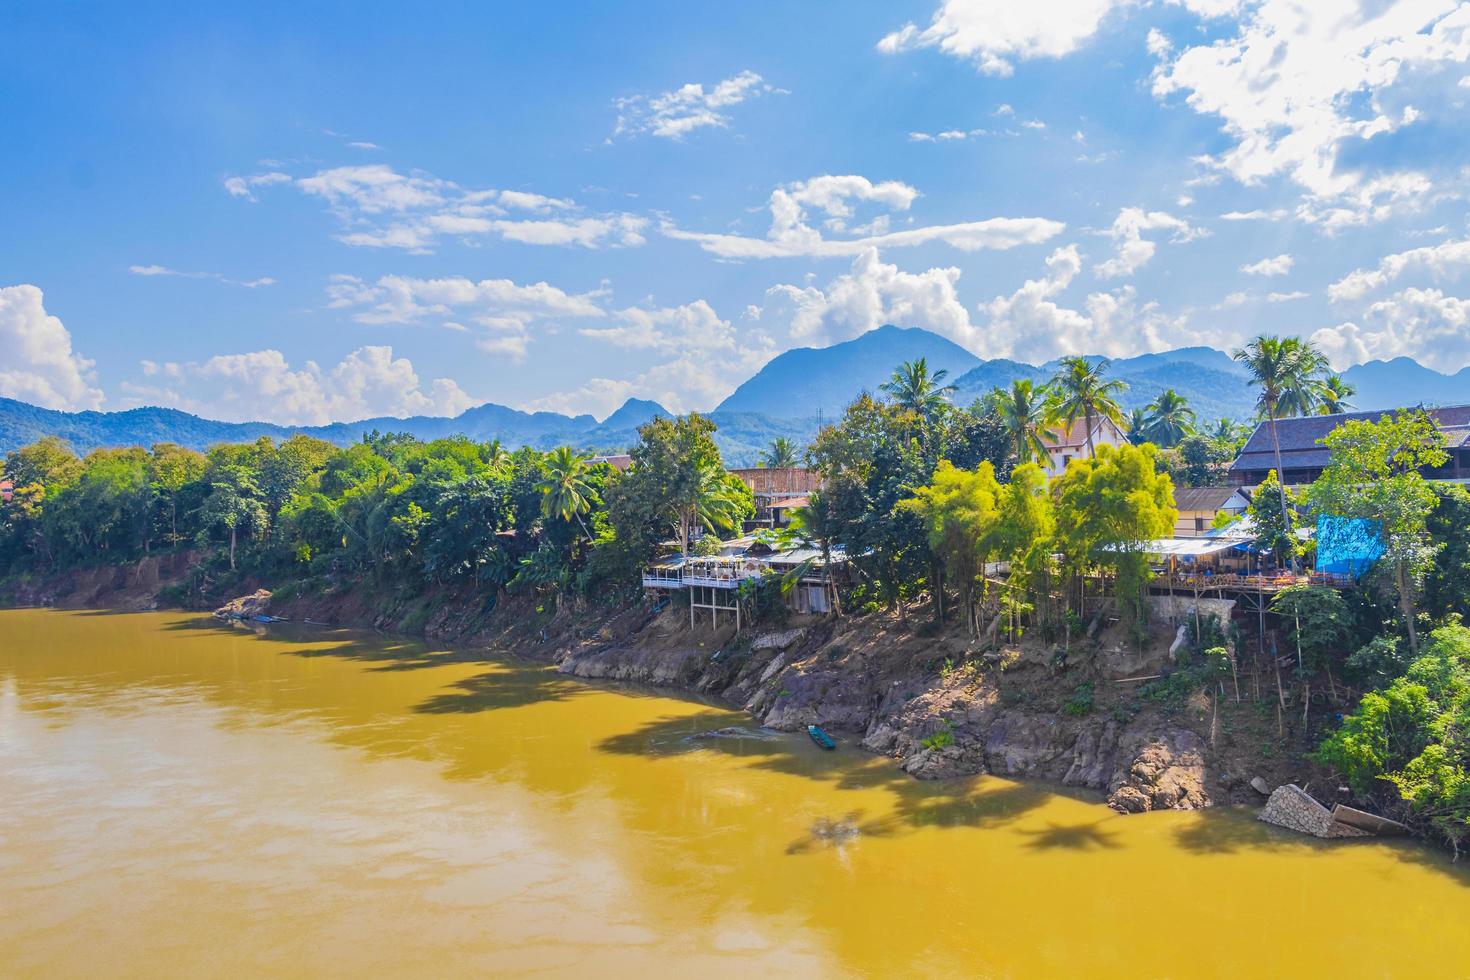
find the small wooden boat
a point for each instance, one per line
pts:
(820, 737)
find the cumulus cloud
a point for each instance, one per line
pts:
(379, 207)
(261, 384)
(39, 365)
(502, 312)
(1424, 324)
(677, 113)
(1299, 80)
(1031, 325)
(1439, 260)
(995, 35)
(871, 294)
(701, 358)
(1133, 249)
(163, 270)
(1277, 265)
(791, 233)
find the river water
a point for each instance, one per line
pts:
(179, 797)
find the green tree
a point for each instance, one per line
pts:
(1447, 583)
(1275, 528)
(1107, 508)
(1084, 391)
(1374, 474)
(960, 509)
(1137, 425)
(1170, 418)
(1026, 526)
(1412, 736)
(1025, 411)
(1334, 395)
(1285, 369)
(566, 493)
(1317, 620)
(914, 388)
(780, 455)
(233, 503)
(171, 468)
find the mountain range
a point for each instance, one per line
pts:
(788, 397)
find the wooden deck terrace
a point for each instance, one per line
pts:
(1259, 584)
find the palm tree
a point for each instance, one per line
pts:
(1170, 418)
(1333, 395)
(1138, 426)
(1085, 393)
(495, 454)
(913, 387)
(1227, 430)
(1025, 412)
(714, 505)
(1284, 369)
(565, 491)
(781, 455)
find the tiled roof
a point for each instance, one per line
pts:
(1301, 437)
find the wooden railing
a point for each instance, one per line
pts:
(1258, 582)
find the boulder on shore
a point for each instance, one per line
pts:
(246, 606)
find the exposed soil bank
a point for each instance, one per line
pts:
(935, 703)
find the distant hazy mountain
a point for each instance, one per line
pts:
(635, 412)
(1208, 378)
(806, 380)
(782, 399)
(1404, 381)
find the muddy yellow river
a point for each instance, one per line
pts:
(182, 798)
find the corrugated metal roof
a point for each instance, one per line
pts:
(1205, 498)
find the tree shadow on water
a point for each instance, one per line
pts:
(508, 686)
(1077, 837)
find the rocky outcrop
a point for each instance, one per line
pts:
(257, 603)
(1166, 772)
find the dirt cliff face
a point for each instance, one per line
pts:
(926, 702)
(133, 587)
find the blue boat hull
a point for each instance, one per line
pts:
(820, 737)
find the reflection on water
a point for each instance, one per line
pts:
(181, 797)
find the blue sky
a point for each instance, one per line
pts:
(314, 212)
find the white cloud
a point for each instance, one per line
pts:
(1275, 214)
(702, 359)
(1030, 324)
(381, 208)
(1158, 43)
(163, 270)
(503, 312)
(39, 365)
(261, 384)
(873, 293)
(994, 35)
(677, 113)
(948, 136)
(1277, 265)
(1438, 260)
(791, 235)
(1300, 79)
(1133, 249)
(1286, 297)
(245, 186)
(1424, 324)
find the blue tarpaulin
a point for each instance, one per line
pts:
(1347, 545)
